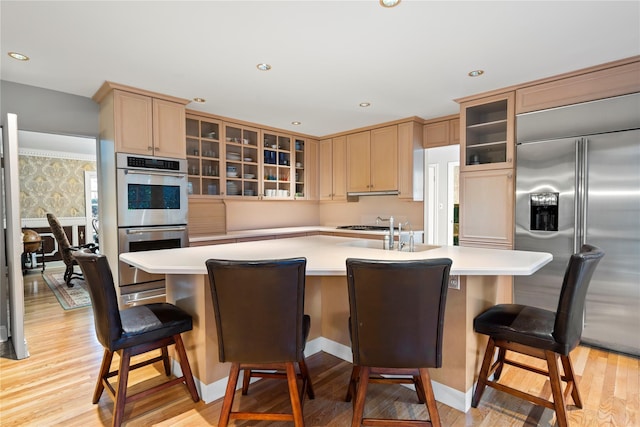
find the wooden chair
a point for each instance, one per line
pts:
(131, 332)
(66, 249)
(259, 313)
(542, 334)
(397, 316)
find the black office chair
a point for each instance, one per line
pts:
(542, 334)
(131, 332)
(259, 313)
(66, 249)
(397, 317)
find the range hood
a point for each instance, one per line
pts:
(373, 193)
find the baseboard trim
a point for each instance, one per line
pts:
(443, 393)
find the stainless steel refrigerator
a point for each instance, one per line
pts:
(578, 181)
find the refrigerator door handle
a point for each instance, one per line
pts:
(577, 208)
(584, 192)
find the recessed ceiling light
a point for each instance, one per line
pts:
(263, 67)
(476, 73)
(200, 100)
(18, 56)
(389, 3)
(365, 104)
(296, 123)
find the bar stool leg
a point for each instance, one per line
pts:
(358, 407)
(556, 389)
(228, 395)
(484, 371)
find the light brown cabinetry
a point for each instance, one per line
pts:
(410, 161)
(241, 160)
(168, 128)
(442, 132)
(586, 86)
(140, 122)
(227, 159)
(486, 208)
(277, 173)
(487, 139)
(372, 160)
(333, 168)
(307, 171)
(486, 172)
(204, 150)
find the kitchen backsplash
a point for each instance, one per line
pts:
(367, 209)
(250, 215)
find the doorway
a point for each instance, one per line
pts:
(441, 188)
(58, 175)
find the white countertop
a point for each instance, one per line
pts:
(326, 256)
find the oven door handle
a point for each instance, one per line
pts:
(154, 229)
(137, 172)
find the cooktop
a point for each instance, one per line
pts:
(364, 227)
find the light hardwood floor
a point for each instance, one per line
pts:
(55, 384)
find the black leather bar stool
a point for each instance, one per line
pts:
(131, 332)
(259, 313)
(542, 334)
(396, 323)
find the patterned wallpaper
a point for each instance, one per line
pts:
(50, 184)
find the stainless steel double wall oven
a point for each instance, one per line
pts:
(152, 214)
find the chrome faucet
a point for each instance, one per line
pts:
(390, 219)
(402, 244)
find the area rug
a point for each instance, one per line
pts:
(69, 298)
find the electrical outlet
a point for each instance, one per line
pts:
(454, 282)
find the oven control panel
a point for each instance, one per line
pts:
(125, 161)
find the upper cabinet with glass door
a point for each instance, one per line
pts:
(487, 137)
(242, 160)
(203, 155)
(279, 158)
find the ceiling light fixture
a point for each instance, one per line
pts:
(296, 123)
(200, 100)
(365, 104)
(263, 67)
(476, 73)
(389, 3)
(19, 56)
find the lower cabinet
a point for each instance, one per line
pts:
(487, 208)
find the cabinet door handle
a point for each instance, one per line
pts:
(509, 175)
(509, 160)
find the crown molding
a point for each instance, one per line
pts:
(55, 154)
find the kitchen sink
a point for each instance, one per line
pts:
(377, 244)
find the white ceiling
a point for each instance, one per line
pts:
(327, 56)
(47, 142)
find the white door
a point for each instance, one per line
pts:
(91, 205)
(13, 269)
(441, 189)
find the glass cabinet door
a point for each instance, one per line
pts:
(278, 154)
(488, 133)
(241, 161)
(203, 156)
(299, 177)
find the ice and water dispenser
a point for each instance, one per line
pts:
(544, 211)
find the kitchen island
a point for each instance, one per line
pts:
(485, 279)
